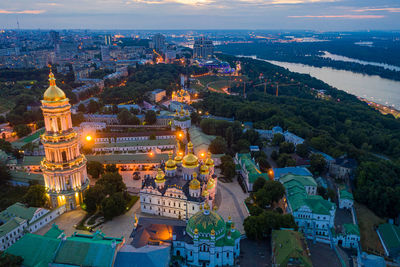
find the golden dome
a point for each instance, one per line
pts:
(53, 93)
(178, 158)
(196, 231)
(212, 232)
(160, 176)
(206, 194)
(209, 161)
(170, 164)
(204, 169)
(206, 205)
(194, 184)
(210, 183)
(190, 160)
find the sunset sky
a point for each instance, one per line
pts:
(326, 15)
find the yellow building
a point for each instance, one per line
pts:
(64, 167)
(181, 96)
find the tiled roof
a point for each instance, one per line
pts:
(300, 179)
(10, 225)
(54, 232)
(279, 172)
(390, 234)
(344, 194)
(18, 210)
(289, 248)
(251, 167)
(351, 229)
(157, 142)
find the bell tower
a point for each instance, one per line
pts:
(64, 167)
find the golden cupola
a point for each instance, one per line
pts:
(178, 158)
(210, 183)
(53, 93)
(194, 183)
(160, 178)
(190, 160)
(170, 165)
(206, 194)
(204, 169)
(209, 161)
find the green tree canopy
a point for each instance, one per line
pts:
(36, 196)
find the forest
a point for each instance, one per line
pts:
(310, 54)
(335, 127)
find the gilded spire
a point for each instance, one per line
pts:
(53, 93)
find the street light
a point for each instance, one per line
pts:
(88, 138)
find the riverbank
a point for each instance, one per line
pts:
(382, 108)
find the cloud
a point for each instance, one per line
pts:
(283, 2)
(341, 16)
(389, 9)
(32, 12)
(183, 2)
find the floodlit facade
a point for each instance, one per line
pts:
(64, 167)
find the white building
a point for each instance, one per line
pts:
(18, 219)
(207, 240)
(158, 145)
(182, 120)
(119, 137)
(292, 138)
(346, 199)
(179, 192)
(349, 237)
(314, 215)
(157, 95)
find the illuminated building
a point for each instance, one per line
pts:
(203, 48)
(181, 96)
(207, 240)
(181, 187)
(181, 120)
(64, 167)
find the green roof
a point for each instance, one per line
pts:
(298, 179)
(390, 234)
(18, 210)
(157, 142)
(128, 158)
(344, 194)
(77, 250)
(87, 250)
(31, 160)
(28, 139)
(54, 231)
(251, 167)
(351, 229)
(10, 225)
(206, 222)
(26, 177)
(200, 140)
(36, 250)
(289, 247)
(297, 197)
(3, 156)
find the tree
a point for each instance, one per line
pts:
(150, 117)
(112, 182)
(229, 136)
(9, 260)
(93, 106)
(93, 198)
(22, 130)
(263, 163)
(95, 169)
(286, 147)
(278, 139)
(124, 117)
(195, 118)
(114, 205)
(82, 108)
(111, 168)
(275, 189)
(4, 174)
(228, 167)
(317, 163)
(285, 160)
(302, 150)
(36, 196)
(218, 145)
(274, 155)
(259, 183)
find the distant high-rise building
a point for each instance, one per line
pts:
(105, 53)
(107, 39)
(158, 42)
(203, 48)
(55, 37)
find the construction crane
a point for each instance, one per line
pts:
(159, 57)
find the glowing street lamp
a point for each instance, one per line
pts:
(151, 153)
(202, 154)
(88, 138)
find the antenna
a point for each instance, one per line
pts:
(17, 23)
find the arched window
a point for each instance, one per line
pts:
(59, 124)
(64, 156)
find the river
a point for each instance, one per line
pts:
(371, 87)
(362, 62)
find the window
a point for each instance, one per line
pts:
(227, 254)
(217, 255)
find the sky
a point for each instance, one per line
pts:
(320, 15)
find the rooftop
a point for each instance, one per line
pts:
(390, 235)
(157, 142)
(279, 172)
(128, 158)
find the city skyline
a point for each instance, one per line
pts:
(323, 15)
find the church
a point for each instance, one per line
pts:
(63, 167)
(181, 96)
(181, 186)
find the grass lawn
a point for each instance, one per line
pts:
(132, 202)
(366, 221)
(11, 194)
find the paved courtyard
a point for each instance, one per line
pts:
(255, 253)
(322, 255)
(232, 203)
(66, 222)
